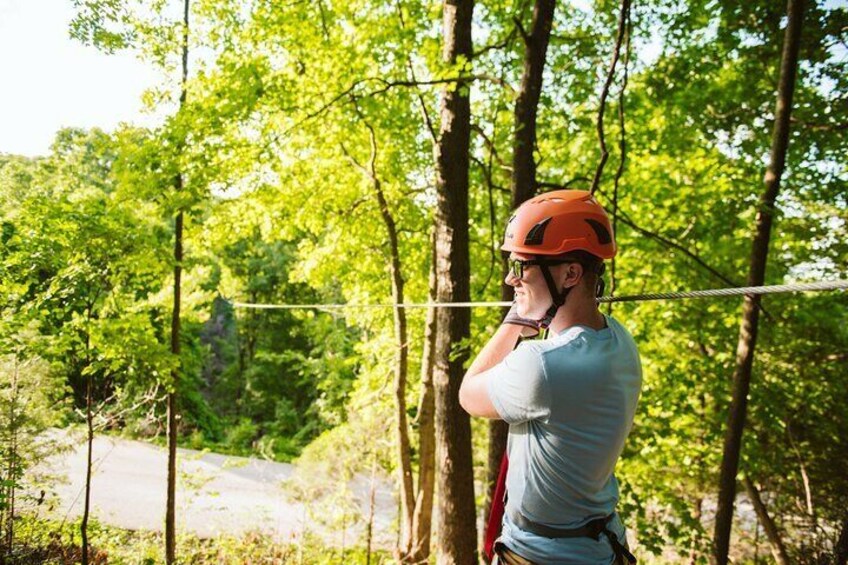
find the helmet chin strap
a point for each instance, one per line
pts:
(557, 296)
(599, 289)
(560, 296)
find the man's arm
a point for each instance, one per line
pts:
(473, 393)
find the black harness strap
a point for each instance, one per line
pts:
(592, 529)
(622, 554)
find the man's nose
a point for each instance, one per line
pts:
(511, 279)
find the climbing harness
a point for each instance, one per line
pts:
(592, 529)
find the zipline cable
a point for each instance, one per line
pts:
(708, 293)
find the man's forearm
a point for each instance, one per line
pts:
(499, 346)
(473, 395)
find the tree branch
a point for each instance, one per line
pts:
(622, 149)
(507, 41)
(486, 172)
(778, 550)
(621, 216)
(520, 27)
(324, 27)
(503, 44)
(489, 144)
(428, 122)
(622, 19)
(820, 127)
(562, 186)
(424, 113)
(388, 85)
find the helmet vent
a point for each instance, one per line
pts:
(603, 234)
(507, 233)
(537, 233)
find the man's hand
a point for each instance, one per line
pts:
(530, 328)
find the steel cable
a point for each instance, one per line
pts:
(708, 293)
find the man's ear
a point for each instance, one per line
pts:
(571, 274)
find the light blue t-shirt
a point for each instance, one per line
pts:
(569, 401)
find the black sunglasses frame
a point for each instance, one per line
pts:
(516, 266)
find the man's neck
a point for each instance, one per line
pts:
(579, 310)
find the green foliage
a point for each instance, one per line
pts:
(32, 400)
(242, 434)
(296, 108)
(82, 262)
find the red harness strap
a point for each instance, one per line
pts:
(493, 527)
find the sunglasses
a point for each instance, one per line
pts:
(517, 266)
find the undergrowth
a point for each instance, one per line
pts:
(40, 541)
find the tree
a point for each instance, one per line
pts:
(386, 172)
(173, 407)
(457, 539)
(75, 254)
(756, 276)
(92, 24)
(401, 363)
(31, 402)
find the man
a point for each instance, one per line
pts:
(569, 399)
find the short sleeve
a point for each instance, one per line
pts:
(518, 386)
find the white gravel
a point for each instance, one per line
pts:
(215, 493)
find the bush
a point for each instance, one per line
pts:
(241, 436)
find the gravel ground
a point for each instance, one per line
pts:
(215, 494)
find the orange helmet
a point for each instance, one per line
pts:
(558, 222)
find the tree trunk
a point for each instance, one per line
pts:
(778, 550)
(407, 493)
(9, 515)
(170, 512)
(90, 447)
(524, 184)
(407, 497)
(696, 514)
(457, 527)
(756, 276)
(622, 150)
(89, 421)
(401, 364)
(840, 552)
(527, 104)
(372, 494)
(422, 517)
